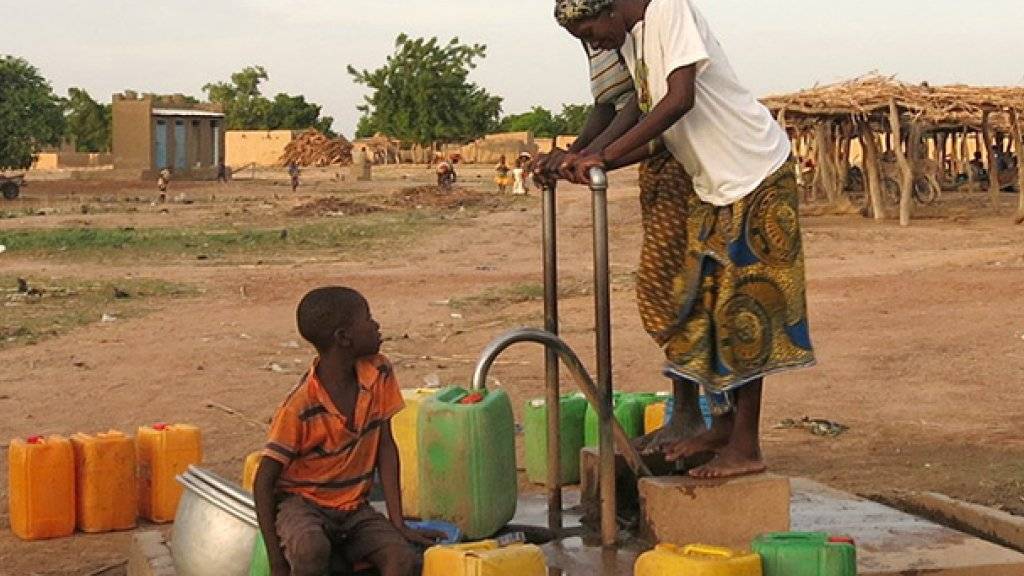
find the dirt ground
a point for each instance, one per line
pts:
(919, 331)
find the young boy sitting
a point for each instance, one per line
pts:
(328, 438)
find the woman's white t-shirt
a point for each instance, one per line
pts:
(728, 142)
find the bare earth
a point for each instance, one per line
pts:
(919, 334)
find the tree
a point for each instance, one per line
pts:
(423, 94)
(294, 113)
(366, 127)
(539, 120)
(30, 113)
(543, 123)
(573, 117)
(245, 107)
(87, 121)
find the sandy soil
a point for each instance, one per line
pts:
(918, 331)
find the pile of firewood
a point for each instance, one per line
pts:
(313, 148)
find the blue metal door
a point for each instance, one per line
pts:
(180, 151)
(160, 145)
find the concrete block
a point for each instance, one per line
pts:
(149, 555)
(682, 510)
(627, 498)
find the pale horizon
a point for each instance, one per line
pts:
(775, 45)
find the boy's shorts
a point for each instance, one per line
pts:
(351, 536)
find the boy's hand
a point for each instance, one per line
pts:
(422, 537)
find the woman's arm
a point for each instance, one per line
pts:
(675, 105)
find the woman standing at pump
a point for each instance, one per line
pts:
(738, 286)
(663, 186)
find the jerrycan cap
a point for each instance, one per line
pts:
(841, 540)
(34, 440)
(472, 398)
(160, 426)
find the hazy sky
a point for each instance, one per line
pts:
(775, 45)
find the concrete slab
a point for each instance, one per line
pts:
(889, 542)
(893, 543)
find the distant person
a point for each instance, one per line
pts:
(1000, 156)
(453, 161)
(367, 165)
(527, 162)
(293, 175)
(501, 175)
(328, 439)
(162, 182)
(978, 171)
(518, 181)
(222, 172)
(445, 173)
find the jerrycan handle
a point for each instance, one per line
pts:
(796, 535)
(708, 550)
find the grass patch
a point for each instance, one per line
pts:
(372, 231)
(518, 293)
(54, 307)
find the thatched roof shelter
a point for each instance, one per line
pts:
(940, 107)
(914, 121)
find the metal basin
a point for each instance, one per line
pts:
(215, 527)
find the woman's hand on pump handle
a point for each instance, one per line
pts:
(570, 166)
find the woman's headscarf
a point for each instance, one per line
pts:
(569, 11)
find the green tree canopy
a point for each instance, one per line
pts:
(542, 122)
(245, 107)
(539, 120)
(30, 113)
(423, 93)
(87, 121)
(574, 117)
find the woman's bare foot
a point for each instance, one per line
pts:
(740, 455)
(669, 435)
(707, 441)
(730, 463)
(686, 423)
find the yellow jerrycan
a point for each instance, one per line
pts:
(485, 558)
(41, 487)
(405, 428)
(107, 498)
(252, 462)
(164, 451)
(696, 560)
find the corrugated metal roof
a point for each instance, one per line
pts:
(186, 112)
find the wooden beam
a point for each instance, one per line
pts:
(872, 170)
(906, 173)
(1017, 145)
(993, 164)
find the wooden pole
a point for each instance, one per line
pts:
(825, 174)
(993, 164)
(872, 170)
(965, 155)
(940, 150)
(958, 166)
(1017, 145)
(906, 173)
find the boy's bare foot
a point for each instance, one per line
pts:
(707, 441)
(730, 463)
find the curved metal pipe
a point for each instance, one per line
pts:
(579, 373)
